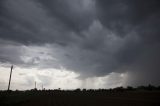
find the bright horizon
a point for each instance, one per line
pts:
(24, 79)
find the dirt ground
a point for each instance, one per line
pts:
(79, 98)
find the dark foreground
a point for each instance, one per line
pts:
(80, 98)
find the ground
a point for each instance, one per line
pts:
(80, 98)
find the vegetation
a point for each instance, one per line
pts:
(129, 96)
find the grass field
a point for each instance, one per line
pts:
(80, 98)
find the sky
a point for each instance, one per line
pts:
(71, 44)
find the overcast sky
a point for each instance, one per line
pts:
(79, 43)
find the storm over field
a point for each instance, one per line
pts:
(79, 43)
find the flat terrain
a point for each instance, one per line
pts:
(80, 98)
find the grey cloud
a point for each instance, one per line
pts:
(27, 22)
(90, 37)
(75, 14)
(122, 16)
(10, 54)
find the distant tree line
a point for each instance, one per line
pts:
(119, 89)
(128, 88)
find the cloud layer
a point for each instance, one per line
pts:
(93, 38)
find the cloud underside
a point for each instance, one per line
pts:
(92, 38)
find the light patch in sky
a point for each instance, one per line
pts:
(23, 79)
(50, 78)
(109, 81)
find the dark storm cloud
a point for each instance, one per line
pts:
(26, 22)
(75, 14)
(141, 17)
(91, 37)
(122, 16)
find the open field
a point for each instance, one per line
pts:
(80, 98)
